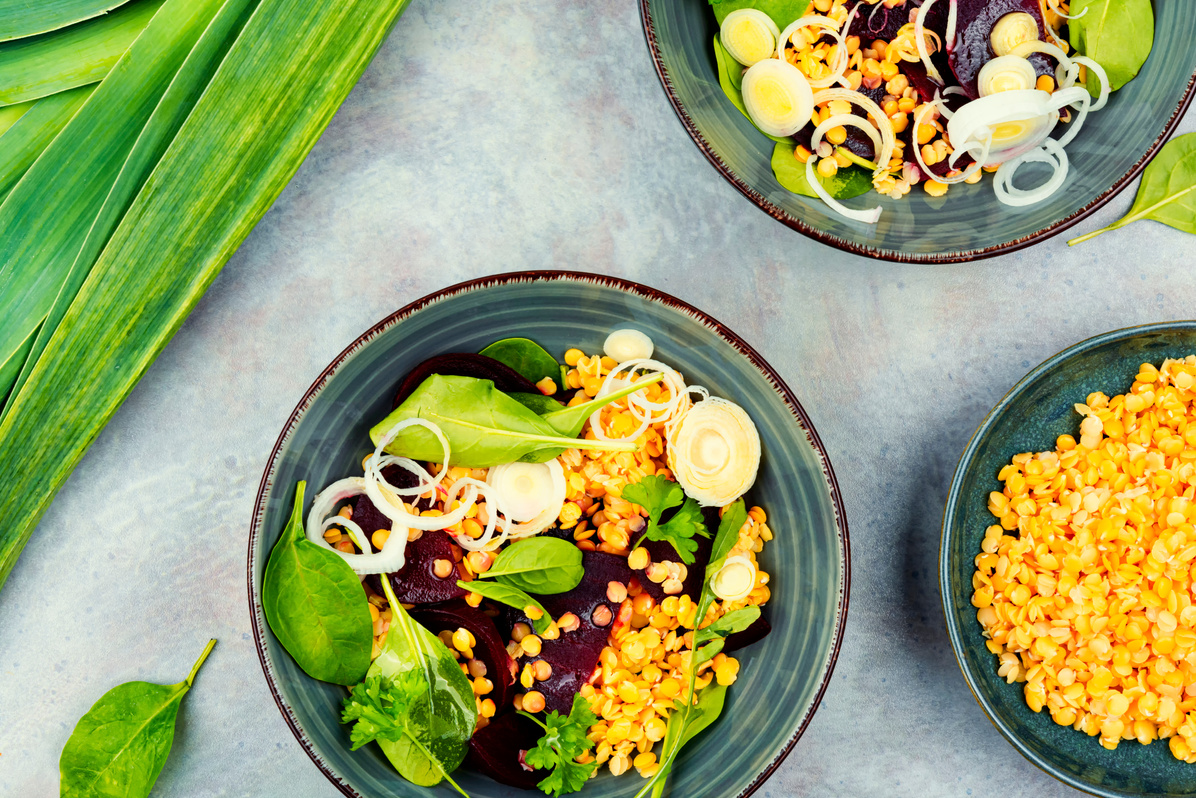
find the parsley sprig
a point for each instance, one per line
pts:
(564, 740)
(658, 495)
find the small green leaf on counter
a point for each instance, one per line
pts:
(1167, 193)
(119, 747)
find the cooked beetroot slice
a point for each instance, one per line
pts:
(926, 90)
(877, 22)
(753, 634)
(497, 750)
(500, 668)
(659, 550)
(465, 364)
(973, 28)
(574, 655)
(416, 582)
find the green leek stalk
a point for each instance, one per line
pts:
(31, 132)
(273, 94)
(21, 18)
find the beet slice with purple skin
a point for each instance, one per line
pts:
(500, 668)
(972, 48)
(498, 749)
(465, 364)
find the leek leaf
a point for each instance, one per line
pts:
(21, 18)
(48, 215)
(161, 129)
(9, 115)
(76, 56)
(271, 98)
(11, 367)
(32, 132)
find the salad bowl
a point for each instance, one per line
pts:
(782, 678)
(969, 222)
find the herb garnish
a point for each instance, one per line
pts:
(564, 740)
(378, 708)
(656, 495)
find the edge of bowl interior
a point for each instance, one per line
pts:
(962, 256)
(783, 390)
(952, 509)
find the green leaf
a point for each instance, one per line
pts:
(119, 747)
(852, 181)
(1167, 193)
(77, 56)
(316, 607)
(51, 225)
(512, 597)
(378, 707)
(527, 357)
(1117, 34)
(28, 136)
(734, 517)
(570, 421)
(442, 717)
(564, 740)
(282, 80)
(688, 726)
(538, 403)
(782, 11)
(539, 565)
(730, 74)
(733, 622)
(21, 18)
(484, 426)
(656, 495)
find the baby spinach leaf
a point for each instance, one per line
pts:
(709, 707)
(570, 421)
(656, 495)
(538, 403)
(441, 718)
(484, 426)
(539, 565)
(782, 11)
(1117, 34)
(1168, 190)
(852, 181)
(512, 597)
(717, 632)
(527, 357)
(316, 607)
(119, 747)
(730, 76)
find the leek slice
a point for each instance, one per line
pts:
(277, 88)
(32, 132)
(21, 18)
(75, 56)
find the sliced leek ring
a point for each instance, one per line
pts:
(1006, 73)
(749, 35)
(777, 96)
(1012, 30)
(714, 452)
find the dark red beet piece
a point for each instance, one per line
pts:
(497, 750)
(877, 22)
(465, 364)
(753, 634)
(973, 28)
(926, 90)
(659, 550)
(500, 668)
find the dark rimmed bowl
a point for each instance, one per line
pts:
(1029, 419)
(782, 678)
(969, 223)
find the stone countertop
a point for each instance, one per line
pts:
(535, 135)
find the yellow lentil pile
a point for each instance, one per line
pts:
(1090, 603)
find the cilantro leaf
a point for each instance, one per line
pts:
(378, 707)
(564, 740)
(658, 495)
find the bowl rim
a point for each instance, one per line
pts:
(954, 499)
(959, 256)
(256, 612)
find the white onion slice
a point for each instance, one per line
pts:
(774, 82)
(526, 492)
(1103, 98)
(832, 28)
(390, 559)
(1054, 6)
(478, 488)
(866, 216)
(920, 41)
(377, 488)
(971, 147)
(1079, 98)
(1006, 73)
(746, 33)
(981, 118)
(952, 20)
(888, 136)
(678, 398)
(1050, 153)
(1026, 49)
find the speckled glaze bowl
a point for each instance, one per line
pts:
(1030, 418)
(782, 678)
(968, 223)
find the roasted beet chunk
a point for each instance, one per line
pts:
(973, 31)
(574, 655)
(498, 749)
(465, 364)
(500, 668)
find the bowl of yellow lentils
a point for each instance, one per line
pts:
(1068, 563)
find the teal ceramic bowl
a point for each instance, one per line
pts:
(782, 678)
(968, 223)
(1030, 418)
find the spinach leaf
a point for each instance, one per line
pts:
(709, 707)
(484, 426)
(441, 718)
(656, 495)
(782, 11)
(527, 357)
(717, 632)
(570, 421)
(512, 597)
(730, 76)
(119, 747)
(539, 565)
(1117, 34)
(316, 607)
(1168, 190)
(853, 181)
(538, 403)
